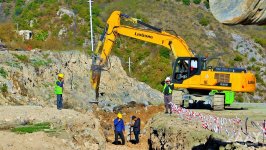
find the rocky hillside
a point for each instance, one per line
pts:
(63, 24)
(27, 78)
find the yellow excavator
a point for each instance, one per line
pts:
(216, 84)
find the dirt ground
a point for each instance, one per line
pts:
(34, 141)
(150, 116)
(255, 112)
(69, 127)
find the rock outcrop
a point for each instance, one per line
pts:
(28, 78)
(169, 132)
(239, 11)
(173, 133)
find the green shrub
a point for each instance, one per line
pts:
(22, 58)
(186, 2)
(231, 63)
(3, 73)
(33, 6)
(38, 63)
(41, 36)
(144, 78)
(261, 41)
(18, 11)
(259, 79)
(32, 128)
(20, 2)
(164, 53)
(197, 1)
(204, 21)
(66, 18)
(4, 88)
(253, 59)
(206, 3)
(96, 10)
(238, 58)
(7, 10)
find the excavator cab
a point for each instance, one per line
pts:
(186, 67)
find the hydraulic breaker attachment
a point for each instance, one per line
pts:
(95, 79)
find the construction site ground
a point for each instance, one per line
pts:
(73, 123)
(254, 111)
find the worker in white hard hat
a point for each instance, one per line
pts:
(59, 84)
(167, 91)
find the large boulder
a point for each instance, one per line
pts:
(28, 78)
(239, 11)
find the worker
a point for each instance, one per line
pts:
(119, 127)
(167, 91)
(136, 128)
(59, 84)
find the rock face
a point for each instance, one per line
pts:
(64, 11)
(239, 11)
(173, 133)
(248, 47)
(169, 132)
(115, 87)
(28, 78)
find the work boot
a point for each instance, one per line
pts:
(166, 112)
(170, 112)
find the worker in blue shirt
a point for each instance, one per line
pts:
(119, 127)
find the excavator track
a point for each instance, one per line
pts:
(218, 102)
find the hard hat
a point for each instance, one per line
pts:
(167, 79)
(60, 75)
(119, 115)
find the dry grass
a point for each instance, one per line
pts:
(7, 32)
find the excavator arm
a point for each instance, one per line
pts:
(157, 36)
(153, 35)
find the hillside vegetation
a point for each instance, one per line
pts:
(190, 19)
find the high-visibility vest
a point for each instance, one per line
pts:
(170, 90)
(58, 89)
